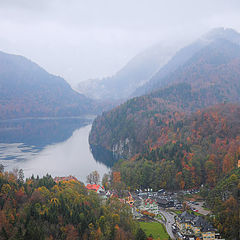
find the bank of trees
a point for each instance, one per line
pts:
(201, 149)
(225, 204)
(38, 208)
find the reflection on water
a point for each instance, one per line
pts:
(103, 155)
(40, 132)
(49, 146)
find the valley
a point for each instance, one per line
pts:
(166, 142)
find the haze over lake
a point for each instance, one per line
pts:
(55, 146)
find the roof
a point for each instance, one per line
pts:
(94, 187)
(162, 201)
(208, 228)
(196, 221)
(186, 217)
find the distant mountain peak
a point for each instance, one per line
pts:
(216, 38)
(222, 33)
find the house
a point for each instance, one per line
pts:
(130, 200)
(164, 203)
(95, 187)
(208, 232)
(190, 224)
(108, 193)
(183, 221)
(149, 205)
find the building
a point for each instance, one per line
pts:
(149, 205)
(164, 203)
(192, 225)
(95, 187)
(183, 221)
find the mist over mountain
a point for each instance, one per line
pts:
(211, 76)
(185, 54)
(184, 134)
(147, 71)
(134, 74)
(27, 90)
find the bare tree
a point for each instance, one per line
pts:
(20, 176)
(93, 177)
(1, 168)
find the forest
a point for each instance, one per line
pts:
(39, 208)
(224, 202)
(198, 150)
(209, 78)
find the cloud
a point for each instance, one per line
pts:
(81, 39)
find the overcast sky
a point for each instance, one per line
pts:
(81, 39)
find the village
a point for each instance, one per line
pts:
(183, 220)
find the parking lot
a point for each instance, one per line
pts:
(198, 207)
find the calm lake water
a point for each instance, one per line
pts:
(58, 146)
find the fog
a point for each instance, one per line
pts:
(79, 39)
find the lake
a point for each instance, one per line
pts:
(58, 146)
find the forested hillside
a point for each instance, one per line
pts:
(197, 150)
(39, 208)
(27, 90)
(224, 201)
(182, 57)
(212, 76)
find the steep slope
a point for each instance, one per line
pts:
(184, 55)
(135, 73)
(200, 149)
(27, 90)
(224, 202)
(211, 76)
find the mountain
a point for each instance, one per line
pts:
(27, 90)
(224, 200)
(185, 133)
(210, 77)
(135, 73)
(184, 55)
(199, 149)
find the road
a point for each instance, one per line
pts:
(169, 220)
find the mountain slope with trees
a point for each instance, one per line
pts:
(224, 201)
(160, 79)
(210, 77)
(39, 208)
(27, 90)
(200, 149)
(185, 134)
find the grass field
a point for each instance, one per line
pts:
(156, 229)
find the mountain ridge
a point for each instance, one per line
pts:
(210, 77)
(27, 90)
(184, 55)
(137, 71)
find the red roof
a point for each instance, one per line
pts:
(94, 187)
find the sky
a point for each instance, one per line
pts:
(83, 39)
